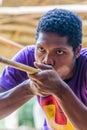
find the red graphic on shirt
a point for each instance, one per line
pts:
(60, 118)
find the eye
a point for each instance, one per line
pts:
(60, 52)
(41, 49)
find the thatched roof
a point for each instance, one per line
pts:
(16, 3)
(19, 24)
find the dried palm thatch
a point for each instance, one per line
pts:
(20, 26)
(16, 3)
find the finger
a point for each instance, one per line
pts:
(38, 77)
(36, 89)
(42, 66)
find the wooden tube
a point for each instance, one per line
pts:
(18, 65)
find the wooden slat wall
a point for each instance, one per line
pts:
(41, 2)
(21, 28)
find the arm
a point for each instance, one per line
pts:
(74, 109)
(15, 83)
(14, 98)
(48, 82)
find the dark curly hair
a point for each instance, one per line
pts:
(64, 23)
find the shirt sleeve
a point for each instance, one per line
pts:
(84, 78)
(10, 76)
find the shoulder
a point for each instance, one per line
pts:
(26, 50)
(83, 55)
(82, 60)
(84, 52)
(26, 55)
(30, 48)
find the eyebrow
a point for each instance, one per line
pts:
(60, 47)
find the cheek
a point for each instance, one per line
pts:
(70, 62)
(38, 57)
(65, 66)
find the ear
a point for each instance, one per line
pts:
(77, 52)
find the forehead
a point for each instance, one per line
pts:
(50, 38)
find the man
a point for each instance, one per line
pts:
(61, 84)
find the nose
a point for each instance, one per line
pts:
(48, 60)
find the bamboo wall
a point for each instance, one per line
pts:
(20, 27)
(41, 2)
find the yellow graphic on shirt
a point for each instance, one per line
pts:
(50, 114)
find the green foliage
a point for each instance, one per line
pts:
(26, 114)
(2, 125)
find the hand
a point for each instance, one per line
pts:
(36, 90)
(47, 81)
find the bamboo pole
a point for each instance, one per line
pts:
(9, 42)
(19, 66)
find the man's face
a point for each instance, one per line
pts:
(51, 49)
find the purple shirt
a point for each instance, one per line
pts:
(11, 77)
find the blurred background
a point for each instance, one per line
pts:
(18, 21)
